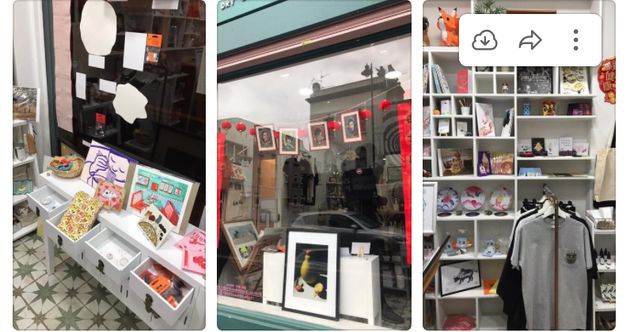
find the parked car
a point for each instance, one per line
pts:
(352, 227)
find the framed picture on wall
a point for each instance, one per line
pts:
(288, 141)
(265, 139)
(429, 206)
(459, 276)
(318, 136)
(311, 274)
(351, 127)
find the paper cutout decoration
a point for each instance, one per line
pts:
(193, 246)
(155, 226)
(110, 195)
(80, 216)
(103, 163)
(98, 27)
(135, 47)
(129, 103)
(173, 196)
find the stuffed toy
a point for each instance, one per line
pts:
(425, 32)
(449, 27)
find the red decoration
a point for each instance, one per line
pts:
(404, 128)
(365, 114)
(302, 133)
(240, 127)
(606, 76)
(334, 125)
(252, 131)
(276, 134)
(226, 125)
(384, 105)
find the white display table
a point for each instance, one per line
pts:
(359, 285)
(124, 225)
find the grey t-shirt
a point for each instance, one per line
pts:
(534, 255)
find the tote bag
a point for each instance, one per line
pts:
(605, 174)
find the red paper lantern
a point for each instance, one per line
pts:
(385, 104)
(334, 125)
(226, 125)
(302, 133)
(276, 134)
(252, 131)
(240, 127)
(365, 114)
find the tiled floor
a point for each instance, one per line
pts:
(70, 299)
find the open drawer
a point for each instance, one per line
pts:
(71, 247)
(46, 202)
(153, 301)
(112, 256)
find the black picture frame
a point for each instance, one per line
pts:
(470, 264)
(336, 303)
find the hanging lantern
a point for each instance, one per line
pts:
(226, 125)
(252, 131)
(334, 125)
(384, 105)
(302, 133)
(276, 134)
(240, 127)
(365, 114)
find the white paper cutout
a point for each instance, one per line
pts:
(79, 85)
(129, 103)
(98, 27)
(165, 4)
(96, 61)
(107, 86)
(135, 47)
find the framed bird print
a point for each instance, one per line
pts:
(311, 273)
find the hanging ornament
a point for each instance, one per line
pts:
(226, 125)
(276, 134)
(365, 114)
(252, 131)
(384, 105)
(302, 133)
(607, 80)
(334, 125)
(240, 127)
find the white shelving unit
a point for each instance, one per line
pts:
(485, 87)
(20, 127)
(603, 239)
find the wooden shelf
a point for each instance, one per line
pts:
(28, 160)
(555, 158)
(554, 96)
(481, 216)
(555, 178)
(440, 49)
(554, 118)
(476, 293)
(471, 178)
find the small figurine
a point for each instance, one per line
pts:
(490, 249)
(505, 88)
(549, 108)
(449, 27)
(425, 32)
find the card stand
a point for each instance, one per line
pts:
(73, 248)
(153, 301)
(106, 241)
(46, 202)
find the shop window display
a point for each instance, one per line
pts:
(323, 150)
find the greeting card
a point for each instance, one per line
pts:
(80, 215)
(155, 226)
(110, 195)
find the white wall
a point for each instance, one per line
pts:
(29, 63)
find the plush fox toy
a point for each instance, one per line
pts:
(449, 27)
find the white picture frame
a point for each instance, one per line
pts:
(241, 238)
(351, 127)
(265, 138)
(318, 135)
(288, 141)
(429, 207)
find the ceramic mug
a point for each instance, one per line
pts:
(465, 110)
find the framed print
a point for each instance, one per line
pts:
(351, 127)
(311, 274)
(288, 141)
(265, 139)
(173, 196)
(459, 276)
(429, 206)
(241, 237)
(318, 135)
(574, 81)
(103, 163)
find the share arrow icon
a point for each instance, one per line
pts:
(533, 40)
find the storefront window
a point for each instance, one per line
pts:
(319, 146)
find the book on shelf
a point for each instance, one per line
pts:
(443, 81)
(436, 81)
(485, 120)
(455, 162)
(573, 81)
(535, 80)
(439, 80)
(463, 81)
(425, 77)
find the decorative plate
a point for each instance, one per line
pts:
(500, 200)
(447, 199)
(473, 198)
